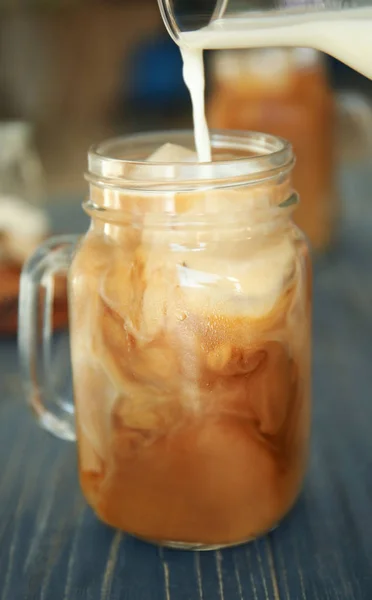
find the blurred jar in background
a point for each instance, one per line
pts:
(285, 92)
(23, 222)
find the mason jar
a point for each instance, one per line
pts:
(285, 91)
(190, 325)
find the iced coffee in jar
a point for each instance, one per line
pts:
(190, 301)
(285, 92)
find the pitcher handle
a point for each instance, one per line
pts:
(35, 334)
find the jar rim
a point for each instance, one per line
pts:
(121, 163)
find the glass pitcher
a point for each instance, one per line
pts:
(324, 25)
(190, 310)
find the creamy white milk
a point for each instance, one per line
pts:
(346, 35)
(193, 74)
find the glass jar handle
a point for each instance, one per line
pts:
(357, 109)
(35, 334)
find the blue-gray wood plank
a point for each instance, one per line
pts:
(53, 548)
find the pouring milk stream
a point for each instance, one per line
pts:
(344, 34)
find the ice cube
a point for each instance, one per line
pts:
(239, 281)
(172, 153)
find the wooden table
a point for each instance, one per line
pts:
(53, 548)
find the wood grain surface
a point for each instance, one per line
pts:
(53, 548)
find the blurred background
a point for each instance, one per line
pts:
(73, 73)
(79, 71)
